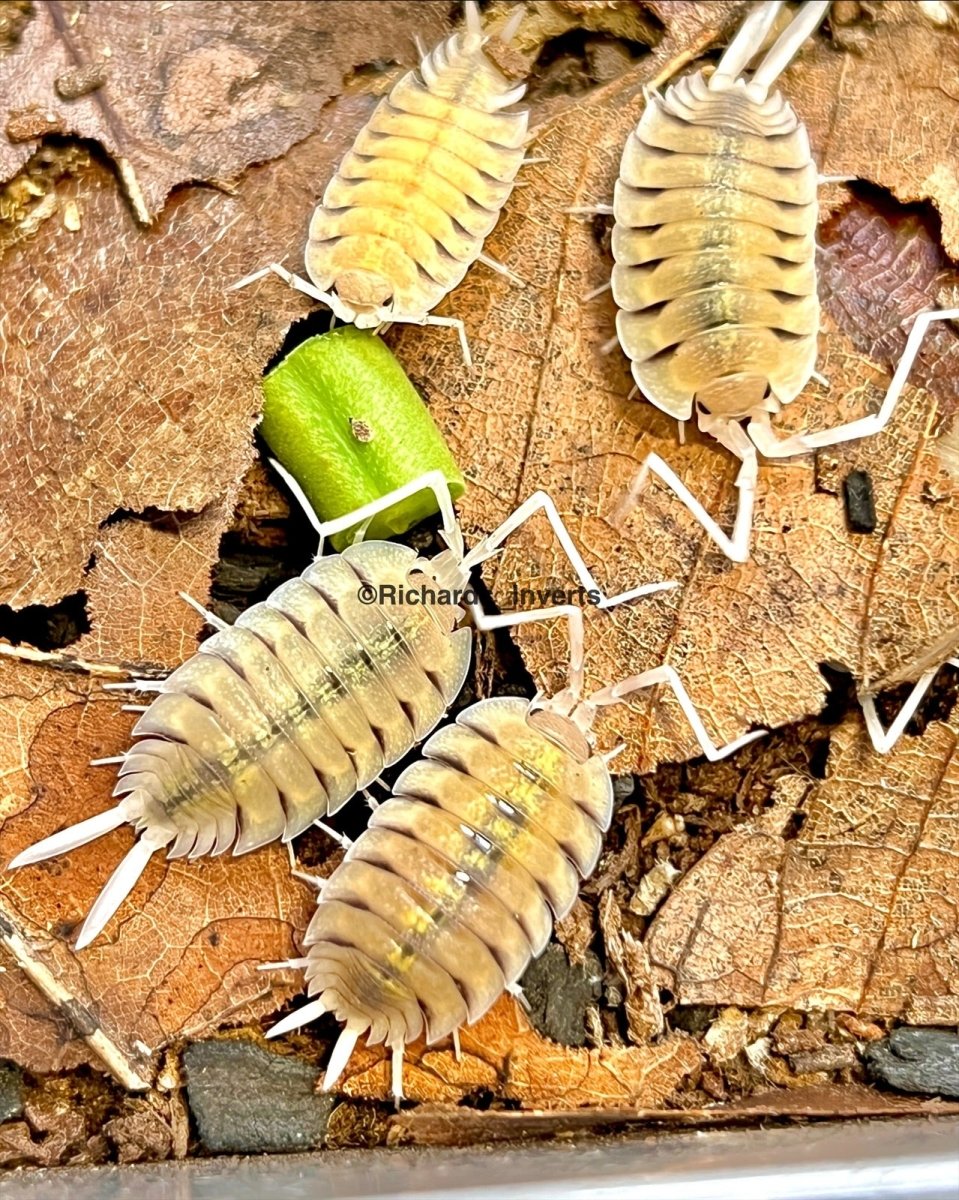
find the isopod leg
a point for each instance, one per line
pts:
(883, 740)
(494, 265)
(668, 675)
(474, 22)
(448, 323)
(876, 422)
(294, 281)
(135, 685)
(540, 501)
(210, 617)
(434, 481)
(519, 995)
(340, 838)
(736, 546)
(572, 612)
(598, 291)
(316, 881)
(362, 531)
(769, 444)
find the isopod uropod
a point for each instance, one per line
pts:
(714, 247)
(442, 902)
(411, 204)
(281, 718)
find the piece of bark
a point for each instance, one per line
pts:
(435, 1125)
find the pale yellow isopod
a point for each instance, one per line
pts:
(715, 276)
(414, 199)
(442, 902)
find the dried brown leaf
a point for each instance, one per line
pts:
(37, 1035)
(502, 1054)
(131, 372)
(887, 112)
(433, 1073)
(857, 911)
(575, 932)
(542, 1074)
(140, 567)
(189, 91)
(644, 1011)
(911, 612)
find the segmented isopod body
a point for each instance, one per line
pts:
(408, 210)
(714, 243)
(281, 718)
(442, 902)
(284, 716)
(714, 246)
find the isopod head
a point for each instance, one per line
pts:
(367, 293)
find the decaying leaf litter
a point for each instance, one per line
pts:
(231, 339)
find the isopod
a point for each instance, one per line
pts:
(281, 718)
(414, 199)
(441, 903)
(714, 277)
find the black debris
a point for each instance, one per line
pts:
(917, 1060)
(860, 502)
(559, 994)
(247, 1100)
(11, 1090)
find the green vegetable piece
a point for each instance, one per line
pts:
(343, 418)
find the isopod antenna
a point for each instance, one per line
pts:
(749, 39)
